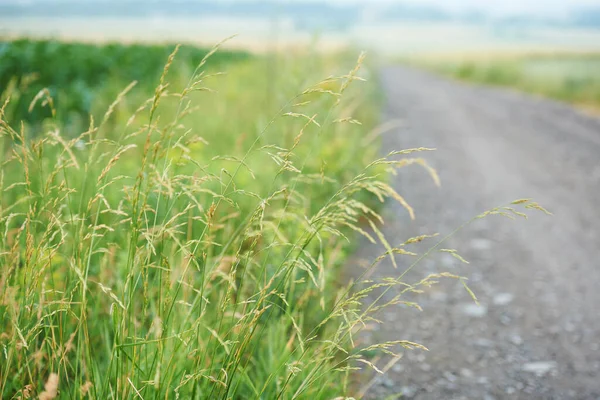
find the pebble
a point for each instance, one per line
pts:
(426, 325)
(570, 327)
(529, 389)
(483, 380)
(503, 299)
(516, 340)
(439, 296)
(474, 310)
(388, 383)
(449, 376)
(466, 373)
(481, 244)
(539, 368)
(398, 368)
(554, 329)
(483, 342)
(476, 277)
(408, 392)
(448, 262)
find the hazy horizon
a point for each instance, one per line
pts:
(541, 8)
(392, 26)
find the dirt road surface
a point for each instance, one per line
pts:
(536, 332)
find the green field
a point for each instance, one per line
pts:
(568, 77)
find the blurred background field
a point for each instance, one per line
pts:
(550, 51)
(84, 78)
(567, 76)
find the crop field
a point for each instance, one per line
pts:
(565, 76)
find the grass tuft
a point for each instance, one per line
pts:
(188, 245)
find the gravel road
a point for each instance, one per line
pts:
(536, 332)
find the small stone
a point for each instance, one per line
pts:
(516, 340)
(425, 367)
(538, 333)
(483, 342)
(570, 327)
(426, 325)
(510, 390)
(503, 299)
(529, 389)
(481, 244)
(474, 310)
(466, 373)
(505, 320)
(554, 329)
(449, 376)
(398, 368)
(483, 380)
(439, 296)
(388, 383)
(408, 392)
(539, 368)
(448, 262)
(476, 277)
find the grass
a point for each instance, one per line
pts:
(564, 76)
(186, 242)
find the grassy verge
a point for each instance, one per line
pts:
(184, 242)
(568, 77)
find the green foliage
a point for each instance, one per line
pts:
(74, 73)
(187, 241)
(569, 77)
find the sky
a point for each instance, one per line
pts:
(512, 6)
(497, 7)
(543, 7)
